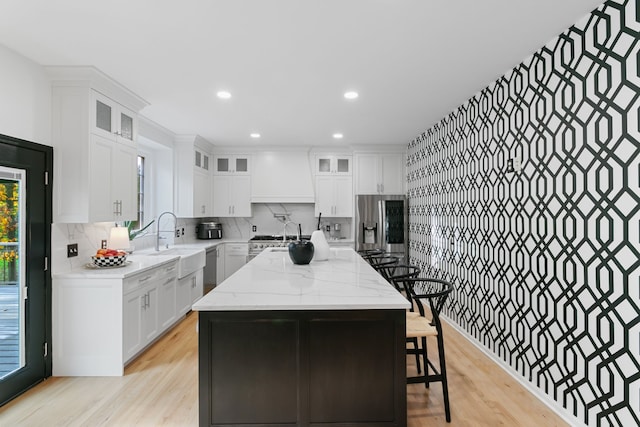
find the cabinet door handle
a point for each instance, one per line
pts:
(382, 188)
(168, 282)
(144, 279)
(148, 300)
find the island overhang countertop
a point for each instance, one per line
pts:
(271, 281)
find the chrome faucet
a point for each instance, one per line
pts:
(284, 232)
(175, 226)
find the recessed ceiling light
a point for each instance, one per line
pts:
(255, 135)
(337, 136)
(223, 94)
(351, 95)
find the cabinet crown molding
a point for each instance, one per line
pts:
(91, 77)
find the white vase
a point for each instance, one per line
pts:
(320, 246)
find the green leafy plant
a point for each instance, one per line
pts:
(134, 233)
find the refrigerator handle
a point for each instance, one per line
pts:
(382, 225)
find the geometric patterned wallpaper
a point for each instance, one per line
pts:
(545, 260)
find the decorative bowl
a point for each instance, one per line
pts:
(108, 261)
(301, 251)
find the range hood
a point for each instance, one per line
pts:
(281, 177)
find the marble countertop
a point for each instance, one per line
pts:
(140, 261)
(272, 282)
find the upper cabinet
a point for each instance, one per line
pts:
(232, 164)
(333, 164)
(232, 185)
(194, 189)
(112, 120)
(380, 173)
(334, 185)
(94, 123)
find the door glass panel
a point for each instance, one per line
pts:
(324, 165)
(241, 165)
(103, 116)
(198, 159)
(126, 126)
(205, 162)
(12, 319)
(223, 165)
(343, 165)
(394, 225)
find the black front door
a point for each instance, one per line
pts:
(25, 251)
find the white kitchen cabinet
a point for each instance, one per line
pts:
(113, 120)
(112, 169)
(235, 256)
(232, 196)
(330, 164)
(380, 173)
(193, 183)
(167, 304)
(234, 164)
(197, 287)
(101, 323)
(155, 311)
(94, 132)
(189, 289)
(220, 276)
(334, 196)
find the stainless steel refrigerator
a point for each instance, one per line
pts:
(382, 223)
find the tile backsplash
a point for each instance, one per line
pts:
(89, 236)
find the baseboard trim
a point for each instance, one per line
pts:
(545, 399)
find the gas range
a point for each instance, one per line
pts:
(260, 242)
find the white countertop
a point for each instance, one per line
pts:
(139, 261)
(272, 282)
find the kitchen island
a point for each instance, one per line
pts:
(300, 345)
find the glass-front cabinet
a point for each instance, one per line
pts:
(112, 120)
(232, 164)
(333, 165)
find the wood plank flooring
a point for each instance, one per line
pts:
(160, 388)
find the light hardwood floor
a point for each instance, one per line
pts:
(160, 388)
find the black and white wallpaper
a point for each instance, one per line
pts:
(545, 259)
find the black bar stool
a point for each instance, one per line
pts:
(429, 296)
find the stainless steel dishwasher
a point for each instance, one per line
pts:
(209, 273)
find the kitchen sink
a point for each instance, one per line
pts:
(191, 259)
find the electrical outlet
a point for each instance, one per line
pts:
(517, 166)
(254, 228)
(510, 165)
(328, 227)
(103, 243)
(177, 233)
(183, 231)
(72, 250)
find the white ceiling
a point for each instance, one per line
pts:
(287, 63)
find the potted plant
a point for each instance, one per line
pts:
(135, 233)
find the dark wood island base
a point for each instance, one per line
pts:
(302, 368)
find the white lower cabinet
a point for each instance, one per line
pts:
(189, 290)
(167, 312)
(220, 276)
(101, 323)
(235, 256)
